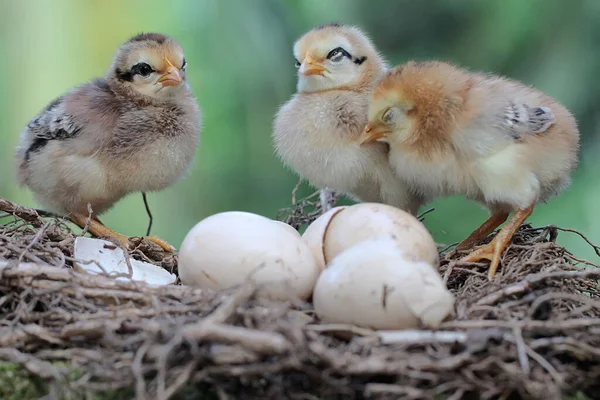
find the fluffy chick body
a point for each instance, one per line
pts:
(489, 138)
(316, 132)
(467, 133)
(104, 139)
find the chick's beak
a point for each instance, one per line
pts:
(310, 67)
(372, 132)
(172, 77)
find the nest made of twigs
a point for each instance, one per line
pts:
(533, 332)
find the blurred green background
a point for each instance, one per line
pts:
(241, 69)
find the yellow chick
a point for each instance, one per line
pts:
(135, 130)
(316, 132)
(494, 140)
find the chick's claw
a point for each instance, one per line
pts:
(99, 230)
(162, 243)
(493, 250)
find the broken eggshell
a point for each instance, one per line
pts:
(376, 284)
(364, 221)
(315, 234)
(89, 253)
(229, 248)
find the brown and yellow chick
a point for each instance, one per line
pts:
(316, 132)
(492, 139)
(135, 130)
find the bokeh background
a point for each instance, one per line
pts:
(241, 69)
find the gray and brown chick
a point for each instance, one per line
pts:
(134, 130)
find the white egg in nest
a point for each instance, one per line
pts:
(343, 227)
(229, 248)
(376, 284)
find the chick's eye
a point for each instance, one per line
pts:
(184, 64)
(297, 63)
(142, 69)
(388, 116)
(337, 54)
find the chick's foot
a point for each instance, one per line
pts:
(97, 229)
(493, 250)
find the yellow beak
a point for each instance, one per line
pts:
(310, 67)
(372, 132)
(172, 77)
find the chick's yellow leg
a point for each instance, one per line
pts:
(493, 250)
(97, 229)
(494, 221)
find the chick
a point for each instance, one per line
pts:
(491, 139)
(134, 130)
(316, 132)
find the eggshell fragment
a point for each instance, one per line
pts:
(315, 234)
(369, 220)
(377, 285)
(89, 253)
(227, 249)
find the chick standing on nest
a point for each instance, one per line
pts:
(491, 139)
(135, 130)
(316, 132)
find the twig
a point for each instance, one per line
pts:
(531, 280)
(575, 323)
(34, 366)
(227, 308)
(521, 351)
(88, 221)
(545, 364)
(35, 239)
(588, 241)
(421, 216)
(24, 213)
(422, 337)
(260, 342)
(353, 329)
(150, 218)
(182, 378)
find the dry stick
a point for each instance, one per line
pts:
(18, 250)
(373, 389)
(183, 377)
(588, 241)
(574, 323)
(355, 330)
(545, 364)
(150, 218)
(529, 281)
(422, 337)
(138, 371)
(24, 213)
(521, 350)
(267, 343)
(547, 342)
(42, 272)
(222, 313)
(88, 220)
(34, 366)
(35, 239)
(295, 191)
(561, 296)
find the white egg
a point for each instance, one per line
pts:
(364, 221)
(376, 284)
(288, 227)
(226, 249)
(315, 234)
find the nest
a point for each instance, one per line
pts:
(534, 332)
